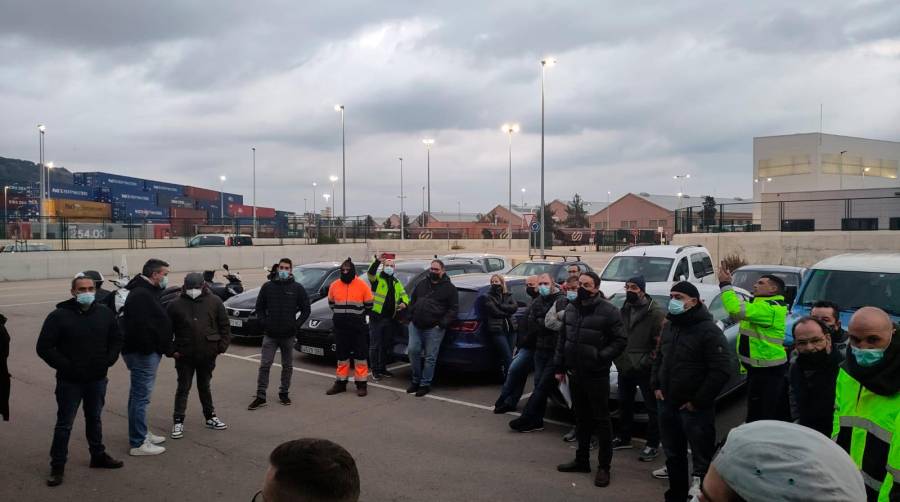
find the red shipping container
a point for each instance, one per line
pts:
(263, 212)
(202, 193)
(186, 213)
(162, 231)
(239, 211)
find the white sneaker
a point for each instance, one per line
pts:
(153, 438)
(146, 449)
(661, 473)
(215, 423)
(695, 487)
(177, 430)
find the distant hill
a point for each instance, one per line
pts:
(16, 171)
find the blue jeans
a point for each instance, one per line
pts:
(69, 395)
(502, 343)
(143, 376)
(544, 384)
(514, 384)
(431, 339)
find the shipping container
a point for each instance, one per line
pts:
(202, 193)
(98, 179)
(162, 187)
(164, 199)
(264, 212)
(71, 192)
(238, 210)
(284, 214)
(138, 211)
(233, 198)
(122, 194)
(185, 213)
(78, 209)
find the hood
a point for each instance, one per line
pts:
(140, 281)
(245, 300)
(693, 316)
(883, 378)
(73, 305)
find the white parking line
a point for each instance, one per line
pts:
(397, 389)
(526, 396)
(398, 366)
(31, 303)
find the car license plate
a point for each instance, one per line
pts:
(237, 323)
(316, 351)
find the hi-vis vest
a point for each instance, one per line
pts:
(760, 343)
(867, 426)
(380, 287)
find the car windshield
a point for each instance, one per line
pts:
(467, 299)
(745, 279)
(308, 277)
(622, 268)
(852, 290)
(618, 300)
(529, 268)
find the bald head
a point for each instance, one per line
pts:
(870, 328)
(531, 281)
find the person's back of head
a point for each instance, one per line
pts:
(311, 470)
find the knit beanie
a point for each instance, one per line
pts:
(686, 288)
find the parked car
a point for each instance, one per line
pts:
(489, 262)
(658, 264)
(745, 277)
(315, 279)
(210, 240)
(555, 265)
(316, 336)
(851, 280)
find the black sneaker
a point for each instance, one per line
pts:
(423, 389)
(56, 476)
(521, 425)
(648, 454)
(104, 461)
(257, 404)
(284, 399)
(386, 374)
(570, 436)
(375, 376)
(574, 466)
(621, 444)
(500, 409)
(412, 389)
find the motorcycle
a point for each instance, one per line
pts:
(120, 281)
(224, 291)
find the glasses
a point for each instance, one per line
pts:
(809, 343)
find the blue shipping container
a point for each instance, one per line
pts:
(162, 187)
(71, 192)
(123, 194)
(164, 199)
(233, 198)
(138, 210)
(97, 179)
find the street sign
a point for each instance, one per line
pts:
(576, 236)
(425, 235)
(535, 226)
(504, 234)
(528, 218)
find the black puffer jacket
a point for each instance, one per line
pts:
(434, 303)
(201, 326)
(643, 323)
(537, 335)
(80, 344)
(4, 370)
(146, 325)
(812, 389)
(694, 361)
(498, 309)
(591, 337)
(277, 306)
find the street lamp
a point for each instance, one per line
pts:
(333, 179)
(314, 197)
(424, 215)
(523, 197)
(681, 178)
(41, 130)
(5, 209)
(608, 210)
(544, 64)
(509, 129)
(865, 170)
(841, 168)
(402, 231)
(49, 184)
(428, 142)
(253, 149)
(340, 108)
(222, 192)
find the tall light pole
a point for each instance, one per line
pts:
(864, 171)
(841, 167)
(523, 197)
(424, 214)
(222, 204)
(608, 195)
(402, 231)
(49, 183)
(5, 209)
(680, 178)
(340, 108)
(509, 129)
(314, 197)
(544, 64)
(333, 179)
(428, 142)
(41, 130)
(254, 192)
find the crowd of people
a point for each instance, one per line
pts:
(823, 415)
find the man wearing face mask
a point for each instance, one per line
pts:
(693, 364)
(867, 403)
(531, 284)
(282, 306)
(830, 314)
(202, 332)
(80, 340)
(760, 343)
(349, 298)
(591, 337)
(434, 305)
(813, 375)
(148, 335)
(643, 320)
(390, 300)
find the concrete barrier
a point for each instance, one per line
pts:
(801, 249)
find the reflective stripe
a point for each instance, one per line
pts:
(869, 426)
(762, 363)
(895, 473)
(740, 316)
(349, 310)
(871, 482)
(769, 339)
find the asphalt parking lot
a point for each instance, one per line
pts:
(445, 446)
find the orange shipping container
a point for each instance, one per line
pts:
(78, 209)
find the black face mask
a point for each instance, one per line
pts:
(347, 277)
(631, 297)
(584, 294)
(532, 292)
(813, 360)
(496, 288)
(434, 276)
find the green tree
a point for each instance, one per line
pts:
(577, 217)
(387, 224)
(709, 211)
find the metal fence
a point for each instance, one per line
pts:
(801, 215)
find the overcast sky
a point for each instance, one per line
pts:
(180, 91)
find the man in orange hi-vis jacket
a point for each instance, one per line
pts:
(350, 298)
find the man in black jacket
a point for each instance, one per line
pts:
(80, 340)
(591, 337)
(4, 370)
(202, 332)
(277, 306)
(692, 366)
(148, 335)
(813, 375)
(524, 360)
(643, 320)
(434, 305)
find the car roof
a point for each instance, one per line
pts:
(662, 250)
(224, 235)
(472, 256)
(319, 264)
(773, 268)
(862, 262)
(474, 281)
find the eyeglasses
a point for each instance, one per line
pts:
(813, 341)
(258, 497)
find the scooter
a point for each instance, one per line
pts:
(120, 281)
(224, 291)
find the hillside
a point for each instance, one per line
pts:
(16, 171)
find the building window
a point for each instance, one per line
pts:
(784, 166)
(851, 165)
(628, 224)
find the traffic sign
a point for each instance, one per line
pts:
(425, 235)
(535, 226)
(529, 218)
(576, 236)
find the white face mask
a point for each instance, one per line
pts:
(194, 293)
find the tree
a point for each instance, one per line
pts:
(387, 224)
(708, 215)
(577, 217)
(549, 227)
(405, 227)
(370, 222)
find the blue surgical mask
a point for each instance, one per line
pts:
(543, 290)
(867, 357)
(164, 282)
(571, 295)
(284, 274)
(676, 307)
(388, 270)
(84, 298)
